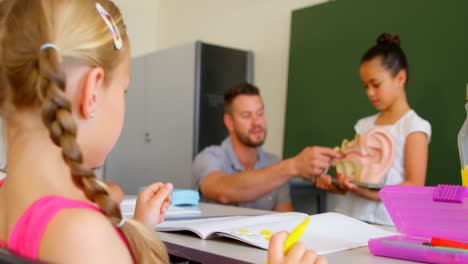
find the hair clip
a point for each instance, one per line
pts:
(49, 45)
(118, 42)
(121, 223)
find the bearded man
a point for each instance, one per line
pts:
(239, 172)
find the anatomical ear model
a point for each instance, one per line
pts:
(367, 158)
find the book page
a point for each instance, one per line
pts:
(257, 231)
(331, 232)
(326, 233)
(208, 226)
(204, 226)
(127, 206)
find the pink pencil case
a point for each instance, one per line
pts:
(420, 213)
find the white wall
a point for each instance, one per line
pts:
(142, 20)
(261, 25)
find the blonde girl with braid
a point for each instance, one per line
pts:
(64, 72)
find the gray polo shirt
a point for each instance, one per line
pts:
(222, 158)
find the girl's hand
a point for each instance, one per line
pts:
(346, 184)
(152, 203)
(297, 254)
(324, 182)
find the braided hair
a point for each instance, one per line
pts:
(33, 77)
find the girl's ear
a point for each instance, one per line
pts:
(401, 77)
(93, 81)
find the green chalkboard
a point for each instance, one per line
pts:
(325, 96)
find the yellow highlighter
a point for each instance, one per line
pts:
(295, 235)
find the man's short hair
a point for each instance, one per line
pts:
(239, 89)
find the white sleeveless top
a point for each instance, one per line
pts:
(374, 211)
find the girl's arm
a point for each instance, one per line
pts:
(82, 235)
(416, 155)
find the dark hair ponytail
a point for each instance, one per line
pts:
(392, 56)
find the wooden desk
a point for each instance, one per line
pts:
(189, 246)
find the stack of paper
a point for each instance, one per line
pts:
(127, 208)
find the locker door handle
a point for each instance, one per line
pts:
(148, 137)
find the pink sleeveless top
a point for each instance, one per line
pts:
(27, 233)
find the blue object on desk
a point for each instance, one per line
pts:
(185, 197)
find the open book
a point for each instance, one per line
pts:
(326, 233)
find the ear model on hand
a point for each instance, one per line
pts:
(367, 158)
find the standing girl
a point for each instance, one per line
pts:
(384, 72)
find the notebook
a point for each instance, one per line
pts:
(127, 207)
(326, 233)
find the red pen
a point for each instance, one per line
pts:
(441, 242)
